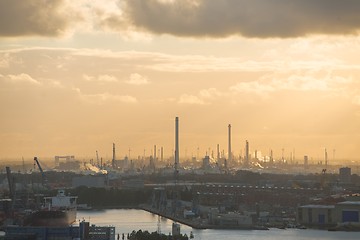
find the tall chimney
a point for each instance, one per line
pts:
(162, 154)
(176, 144)
(229, 145)
(113, 158)
(247, 153)
(326, 158)
(154, 155)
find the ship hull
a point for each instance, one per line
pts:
(52, 218)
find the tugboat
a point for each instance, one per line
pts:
(58, 211)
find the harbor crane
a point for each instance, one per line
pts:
(43, 178)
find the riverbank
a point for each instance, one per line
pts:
(127, 220)
(198, 223)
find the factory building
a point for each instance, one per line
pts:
(320, 216)
(316, 215)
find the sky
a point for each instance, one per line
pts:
(77, 76)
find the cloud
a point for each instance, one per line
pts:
(4, 60)
(99, 98)
(202, 63)
(22, 78)
(137, 79)
(255, 77)
(252, 87)
(101, 78)
(306, 81)
(107, 78)
(210, 93)
(26, 80)
(33, 17)
(88, 78)
(184, 18)
(55, 84)
(204, 97)
(255, 18)
(190, 99)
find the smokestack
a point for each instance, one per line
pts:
(229, 142)
(176, 144)
(154, 154)
(113, 158)
(162, 154)
(326, 158)
(247, 154)
(218, 152)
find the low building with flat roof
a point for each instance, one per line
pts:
(324, 216)
(316, 215)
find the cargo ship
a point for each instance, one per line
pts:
(57, 211)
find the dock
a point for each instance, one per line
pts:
(198, 224)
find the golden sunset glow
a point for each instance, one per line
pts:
(77, 76)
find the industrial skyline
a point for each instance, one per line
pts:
(94, 73)
(243, 156)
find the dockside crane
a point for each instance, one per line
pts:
(43, 178)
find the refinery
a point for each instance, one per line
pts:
(218, 191)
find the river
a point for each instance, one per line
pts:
(127, 220)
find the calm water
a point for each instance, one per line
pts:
(127, 220)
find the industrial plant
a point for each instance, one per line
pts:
(216, 191)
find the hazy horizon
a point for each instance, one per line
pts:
(76, 77)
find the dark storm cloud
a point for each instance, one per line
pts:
(33, 17)
(250, 18)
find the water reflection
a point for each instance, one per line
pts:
(127, 220)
